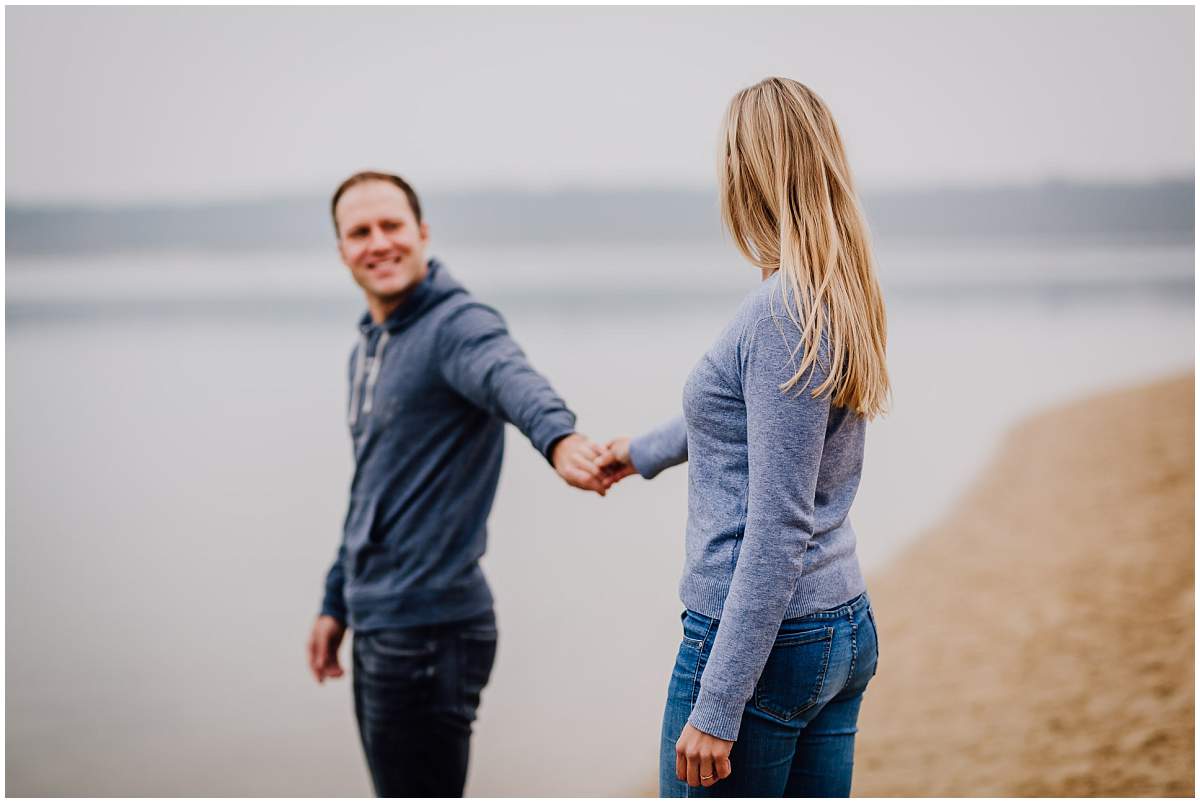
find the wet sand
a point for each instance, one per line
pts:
(1040, 640)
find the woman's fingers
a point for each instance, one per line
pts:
(708, 776)
(701, 759)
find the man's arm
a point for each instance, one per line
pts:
(334, 602)
(481, 360)
(330, 627)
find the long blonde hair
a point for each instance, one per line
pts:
(789, 202)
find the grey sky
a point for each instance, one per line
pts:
(163, 103)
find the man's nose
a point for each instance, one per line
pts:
(378, 241)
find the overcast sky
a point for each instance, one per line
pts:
(134, 104)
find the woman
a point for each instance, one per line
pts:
(779, 639)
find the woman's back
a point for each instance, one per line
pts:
(771, 477)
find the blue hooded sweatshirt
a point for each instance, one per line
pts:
(430, 391)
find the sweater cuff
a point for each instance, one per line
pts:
(552, 430)
(641, 455)
(717, 714)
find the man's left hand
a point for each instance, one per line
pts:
(701, 759)
(574, 458)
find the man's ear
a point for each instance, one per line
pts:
(424, 231)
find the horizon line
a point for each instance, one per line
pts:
(581, 188)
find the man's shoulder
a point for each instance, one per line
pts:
(464, 313)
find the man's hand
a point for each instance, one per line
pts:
(614, 462)
(700, 759)
(574, 458)
(323, 646)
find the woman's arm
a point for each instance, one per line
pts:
(785, 436)
(647, 454)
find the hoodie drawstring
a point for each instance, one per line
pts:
(360, 365)
(372, 376)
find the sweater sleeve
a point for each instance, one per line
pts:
(785, 435)
(481, 361)
(660, 448)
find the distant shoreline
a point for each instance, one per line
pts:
(1153, 211)
(1039, 641)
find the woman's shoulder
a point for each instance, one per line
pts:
(771, 321)
(763, 303)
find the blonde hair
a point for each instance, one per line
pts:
(789, 203)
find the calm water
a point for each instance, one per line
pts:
(177, 469)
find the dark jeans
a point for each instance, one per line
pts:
(797, 733)
(415, 694)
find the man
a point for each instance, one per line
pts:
(433, 379)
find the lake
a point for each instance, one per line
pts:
(178, 468)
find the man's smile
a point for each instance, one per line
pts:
(384, 262)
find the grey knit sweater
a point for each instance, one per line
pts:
(771, 476)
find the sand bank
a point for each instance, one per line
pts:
(1040, 641)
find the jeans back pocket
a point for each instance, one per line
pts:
(792, 680)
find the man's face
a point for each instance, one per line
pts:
(380, 240)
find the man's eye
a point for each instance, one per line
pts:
(359, 233)
(389, 226)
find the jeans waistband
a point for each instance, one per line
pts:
(845, 610)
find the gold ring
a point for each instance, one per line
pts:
(705, 777)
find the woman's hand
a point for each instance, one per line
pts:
(615, 461)
(700, 759)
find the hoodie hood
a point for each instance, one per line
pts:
(435, 288)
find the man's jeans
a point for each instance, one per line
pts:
(797, 733)
(415, 694)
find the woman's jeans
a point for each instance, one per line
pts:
(415, 694)
(797, 733)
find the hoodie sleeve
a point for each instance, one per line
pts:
(480, 360)
(660, 448)
(334, 603)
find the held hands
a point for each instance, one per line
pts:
(615, 462)
(701, 759)
(591, 467)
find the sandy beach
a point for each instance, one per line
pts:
(1040, 640)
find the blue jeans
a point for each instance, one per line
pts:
(797, 732)
(416, 691)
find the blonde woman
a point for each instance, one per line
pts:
(779, 639)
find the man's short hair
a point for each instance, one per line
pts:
(373, 175)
